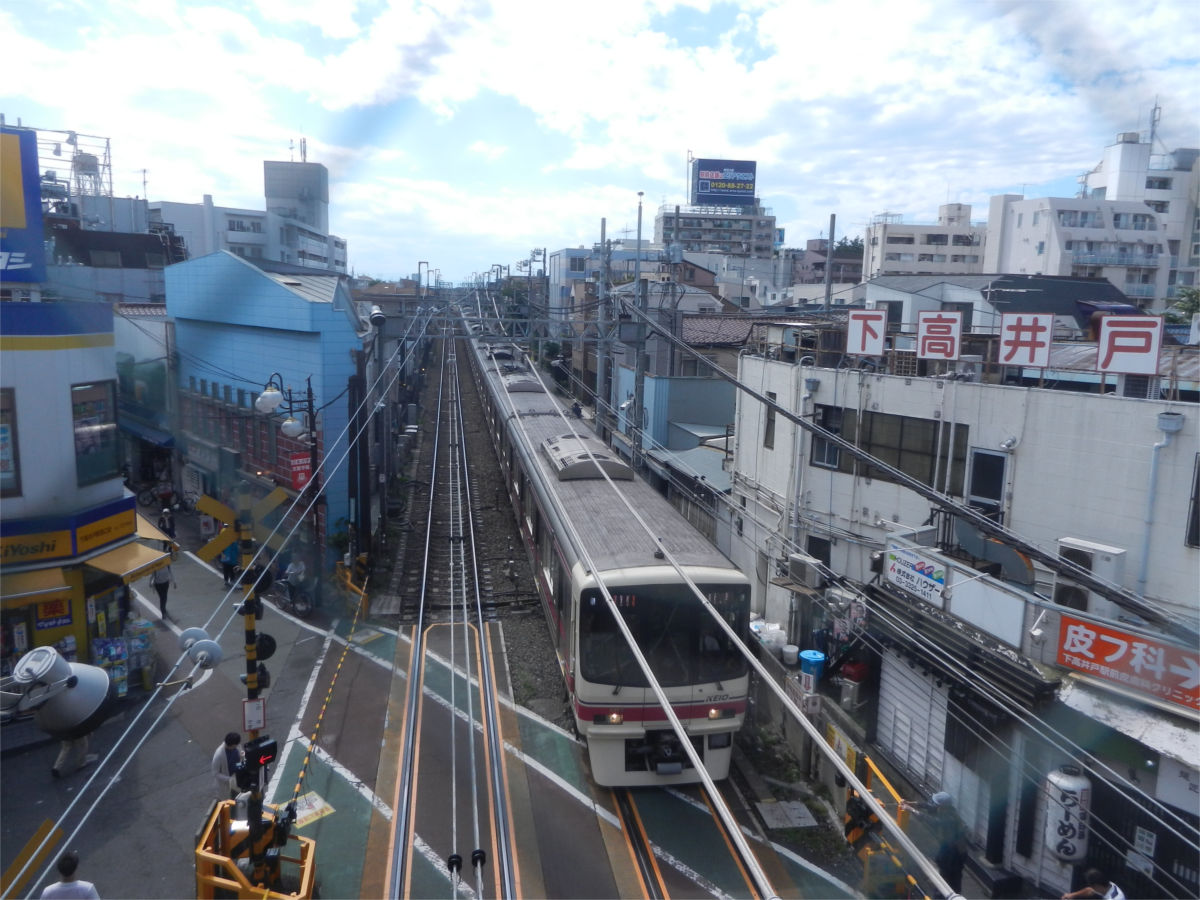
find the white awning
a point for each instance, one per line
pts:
(1171, 735)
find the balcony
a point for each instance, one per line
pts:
(1140, 260)
(1138, 290)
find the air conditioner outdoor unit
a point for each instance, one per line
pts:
(1106, 563)
(804, 569)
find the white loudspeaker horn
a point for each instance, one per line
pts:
(68, 699)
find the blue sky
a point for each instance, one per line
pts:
(466, 133)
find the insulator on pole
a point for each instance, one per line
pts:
(454, 863)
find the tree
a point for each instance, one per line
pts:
(1188, 304)
(849, 246)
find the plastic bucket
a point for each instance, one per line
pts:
(790, 652)
(812, 662)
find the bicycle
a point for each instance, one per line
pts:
(158, 495)
(185, 503)
(290, 598)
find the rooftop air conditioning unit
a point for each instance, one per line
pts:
(1106, 563)
(805, 570)
(1141, 387)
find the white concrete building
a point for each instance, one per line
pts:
(953, 246)
(293, 228)
(944, 679)
(1120, 240)
(1168, 183)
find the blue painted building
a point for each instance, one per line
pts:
(235, 326)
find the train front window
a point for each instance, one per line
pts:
(677, 635)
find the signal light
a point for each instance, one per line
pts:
(264, 677)
(262, 750)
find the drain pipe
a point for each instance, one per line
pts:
(1169, 423)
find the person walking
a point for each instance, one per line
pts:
(229, 561)
(225, 761)
(163, 580)
(293, 575)
(1096, 884)
(72, 756)
(68, 886)
(166, 524)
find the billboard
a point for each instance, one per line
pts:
(723, 182)
(22, 255)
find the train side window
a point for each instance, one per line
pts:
(564, 586)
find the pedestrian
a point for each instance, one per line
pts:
(166, 524)
(224, 763)
(293, 575)
(229, 561)
(72, 756)
(1096, 884)
(163, 580)
(948, 832)
(68, 886)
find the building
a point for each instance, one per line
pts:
(743, 231)
(1168, 183)
(954, 245)
(293, 228)
(236, 327)
(71, 538)
(1120, 240)
(963, 663)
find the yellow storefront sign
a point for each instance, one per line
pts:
(105, 531)
(21, 548)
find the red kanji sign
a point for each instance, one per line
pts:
(938, 335)
(1129, 344)
(1025, 339)
(865, 329)
(301, 470)
(1144, 664)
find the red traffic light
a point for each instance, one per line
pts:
(261, 751)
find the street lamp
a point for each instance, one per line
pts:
(274, 395)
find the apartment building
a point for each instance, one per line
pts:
(293, 228)
(745, 231)
(954, 246)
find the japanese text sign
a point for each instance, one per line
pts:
(1129, 344)
(1025, 339)
(301, 465)
(939, 335)
(916, 573)
(865, 330)
(1141, 663)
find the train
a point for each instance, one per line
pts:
(568, 515)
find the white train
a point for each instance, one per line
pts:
(568, 513)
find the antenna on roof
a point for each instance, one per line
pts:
(303, 149)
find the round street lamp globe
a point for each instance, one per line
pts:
(292, 427)
(269, 399)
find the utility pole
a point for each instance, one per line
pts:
(601, 323)
(829, 262)
(639, 379)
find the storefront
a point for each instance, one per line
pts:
(72, 589)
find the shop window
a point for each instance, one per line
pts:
(903, 442)
(10, 459)
(93, 415)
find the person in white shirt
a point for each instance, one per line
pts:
(69, 887)
(1096, 884)
(224, 761)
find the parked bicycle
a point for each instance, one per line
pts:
(186, 503)
(289, 598)
(160, 495)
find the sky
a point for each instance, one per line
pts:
(466, 133)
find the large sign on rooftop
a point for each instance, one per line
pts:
(22, 257)
(723, 182)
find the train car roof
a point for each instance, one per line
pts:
(612, 536)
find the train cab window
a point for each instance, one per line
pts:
(676, 634)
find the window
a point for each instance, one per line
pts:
(1041, 247)
(986, 489)
(578, 264)
(1154, 183)
(10, 461)
(1159, 206)
(903, 442)
(93, 414)
(924, 257)
(965, 240)
(105, 259)
(937, 240)
(1193, 522)
(824, 452)
(1037, 217)
(769, 431)
(900, 239)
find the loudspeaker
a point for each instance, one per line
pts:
(69, 699)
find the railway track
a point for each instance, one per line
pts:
(451, 799)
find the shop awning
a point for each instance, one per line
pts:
(40, 584)
(148, 532)
(129, 562)
(1165, 732)
(148, 433)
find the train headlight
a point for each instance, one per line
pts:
(613, 718)
(715, 713)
